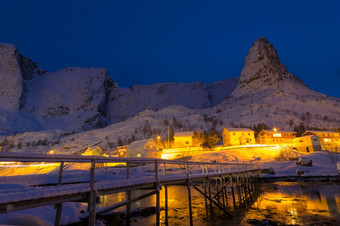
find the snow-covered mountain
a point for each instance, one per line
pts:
(127, 102)
(77, 99)
(32, 99)
(268, 93)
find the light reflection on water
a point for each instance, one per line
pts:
(297, 204)
(285, 203)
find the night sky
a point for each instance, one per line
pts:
(147, 42)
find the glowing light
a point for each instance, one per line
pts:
(277, 135)
(275, 129)
(158, 137)
(51, 152)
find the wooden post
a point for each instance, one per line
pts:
(166, 196)
(244, 188)
(189, 198)
(205, 198)
(158, 208)
(166, 205)
(92, 201)
(238, 189)
(225, 193)
(232, 191)
(189, 193)
(128, 197)
(222, 191)
(59, 206)
(209, 189)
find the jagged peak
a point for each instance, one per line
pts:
(263, 70)
(261, 50)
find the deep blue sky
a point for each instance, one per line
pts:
(147, 42)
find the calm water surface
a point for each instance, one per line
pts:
(281, 203)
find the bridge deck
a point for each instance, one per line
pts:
(17, 193)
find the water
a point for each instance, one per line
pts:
(281, 203)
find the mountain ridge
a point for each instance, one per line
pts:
(82, 100)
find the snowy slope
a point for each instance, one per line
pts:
(127, 102)
(70, 99)
(32, 99)
(78, 99)
(268, 93)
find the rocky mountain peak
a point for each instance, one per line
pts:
(263, 70)
(10, 78)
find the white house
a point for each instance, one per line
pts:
(143, 149)
(308, 143)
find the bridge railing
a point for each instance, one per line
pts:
(160, 167)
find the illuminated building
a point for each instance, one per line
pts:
(330, 140)
(276, 137)
(184, 139)
(308, 143)
(121, 151)
(143, 149)
(237, 136)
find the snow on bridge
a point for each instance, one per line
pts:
(22, 192)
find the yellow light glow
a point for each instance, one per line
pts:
(277, 135)
(51, 152)
(159, 137)
(275, 129)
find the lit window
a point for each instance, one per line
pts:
(138, 154)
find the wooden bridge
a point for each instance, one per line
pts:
(223, 185)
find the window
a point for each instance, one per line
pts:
(186, 142)
(234, 134)
(130, 155)
(248, 134)
(138, 154)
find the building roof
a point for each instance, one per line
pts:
(308, 136)
(139, 143)
(316, 131)
(279, 131)
(184, 134)
(239, 129)
(95, 151)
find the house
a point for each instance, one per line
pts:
(121, 151)
(309, 143)
(237, 136)
(275, 137)
(143, 149)
(97, 151)
(184, 139)
(330, 140)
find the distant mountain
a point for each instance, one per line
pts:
(127, 102)
(77, 99)
(32, 99)
(268, 93)
(86, 99)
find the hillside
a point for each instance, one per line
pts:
(79, 101)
